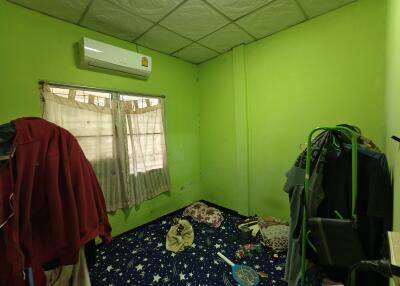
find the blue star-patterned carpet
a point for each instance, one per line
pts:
(139, 257)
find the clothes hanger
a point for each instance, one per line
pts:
(4, 157)
(7, 135)
(7, 156)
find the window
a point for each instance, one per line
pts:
(122, 135)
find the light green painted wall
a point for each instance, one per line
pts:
(218, 133)
(257, 103)
(393, 101)
(326, 71)
(37, 47)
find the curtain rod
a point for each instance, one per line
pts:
(75, 86)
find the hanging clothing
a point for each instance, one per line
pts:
(70, 275)
(294, 186)
(330, 191)
(54, 199)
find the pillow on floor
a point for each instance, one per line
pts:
(202, 213)
(196, 211)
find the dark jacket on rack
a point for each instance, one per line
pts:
(52, 197)
(330, 191)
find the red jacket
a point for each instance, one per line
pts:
(57, 202)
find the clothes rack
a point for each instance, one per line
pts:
(354, 138)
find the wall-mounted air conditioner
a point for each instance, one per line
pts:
(95, 54)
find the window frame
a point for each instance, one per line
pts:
(114, 95)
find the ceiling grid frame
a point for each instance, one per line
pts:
(231, 20)
(162, 18)
(85, 12)
(302, 10)
(226, 36)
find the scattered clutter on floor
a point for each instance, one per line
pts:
(248, 250)
(180, 236)
(243, 274)
(275, 237)
(140, 257)
(271, 232)
(202, 213)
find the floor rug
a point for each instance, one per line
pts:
(139, 257)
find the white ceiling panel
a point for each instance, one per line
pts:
(272, 18)
(317, 7)
(194, 19)
(153, 10)
(194, 30)
(226, 38)
(105, 17)
(160, 39)
(69, 10)
(237, 8)
(195, 53)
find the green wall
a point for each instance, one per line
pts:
(218, 132)
(393, 101)
(37, 47)
(326, 71)
(249, 109)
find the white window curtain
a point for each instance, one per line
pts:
(121, 135)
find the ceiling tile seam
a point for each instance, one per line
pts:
(209, 59)
(345, 4)
(108, 35)
(220, 28)
(189, 39)
(207, 47)
(158, 22)
(137, 49)
(302, 9)
(85, 12)
(283, 29)
(40, 12)
(244, 30)
(186, 38)
(337, 7)
(128, 12)
(256, 39)
(195, 42)
(171, 54)
(217, 10)
(202, 37)
(231, 21)
(251, 12)
(172, 31)
(180, 49)
(255, 10)
(90, 3)
(205, 36)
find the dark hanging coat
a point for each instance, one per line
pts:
(51, 198)
(330, 191)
